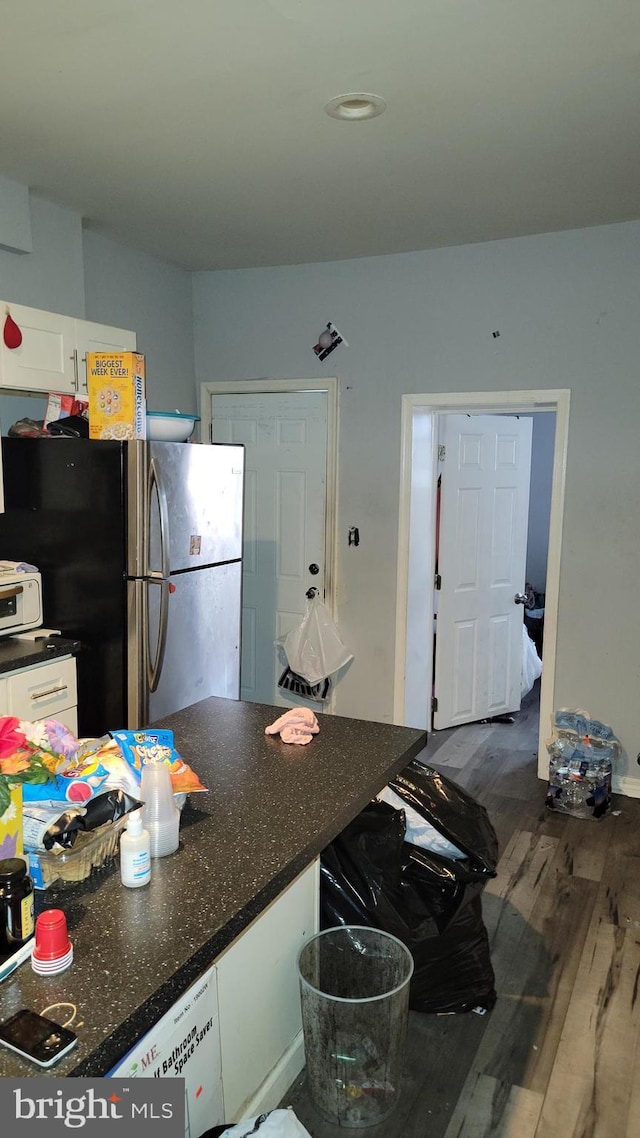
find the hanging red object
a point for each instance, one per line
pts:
(11, 333)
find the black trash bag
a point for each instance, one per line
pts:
(453, 971)
(360, 872)
(453, 812)
(371, 876)
(71, 426)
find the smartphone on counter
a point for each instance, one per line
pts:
(36, 1038)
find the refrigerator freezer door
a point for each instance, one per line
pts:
(195, 505)
(65, 513)
(202, 649)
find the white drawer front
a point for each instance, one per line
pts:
(42, 691)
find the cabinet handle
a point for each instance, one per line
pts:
(50, 691)
(74, 357)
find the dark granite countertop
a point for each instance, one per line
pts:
(270, 809)
(17, 653)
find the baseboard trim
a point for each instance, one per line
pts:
(270, 1093)
(625, 785)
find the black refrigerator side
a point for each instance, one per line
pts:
(65, 512)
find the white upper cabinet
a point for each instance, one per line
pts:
(99, 338)
(53, 352)
(45, 360)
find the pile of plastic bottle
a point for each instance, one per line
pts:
(581, 755)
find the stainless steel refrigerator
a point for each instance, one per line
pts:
(140, 547)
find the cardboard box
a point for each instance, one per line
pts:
(61, 406)
(185, 1044)
(11, 825)
(117, 403)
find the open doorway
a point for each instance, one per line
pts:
(416, 542)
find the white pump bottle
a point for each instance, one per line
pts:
(135, 853)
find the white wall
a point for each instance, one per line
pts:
(128, 289)
(50, 277)
(80, 273)
(566, 306)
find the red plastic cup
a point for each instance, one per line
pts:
(52, 939)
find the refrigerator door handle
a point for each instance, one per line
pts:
(154, 667)
(155, 481)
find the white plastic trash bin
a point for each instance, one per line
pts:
(354, 988)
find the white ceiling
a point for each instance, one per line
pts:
(195, 129)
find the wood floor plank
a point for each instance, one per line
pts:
(521, 869)
(490, 1109)
(590, 1086)
(633, 1121)
(619, 900)
(534, 981)
(584, 848)
(460, 747)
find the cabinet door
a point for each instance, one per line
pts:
(99, 338)
(259, 1000)
(45, 360)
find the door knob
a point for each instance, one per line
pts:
(311, 593)
(520, 598)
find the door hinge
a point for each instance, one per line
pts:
(211, 431)
(437, 581)
(442, 450)
(434, 703)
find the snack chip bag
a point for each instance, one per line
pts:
(77, 783)
(140, 747)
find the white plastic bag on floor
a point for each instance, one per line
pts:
(275, 1124)
(531, 663)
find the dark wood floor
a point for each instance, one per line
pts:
(559, 1055)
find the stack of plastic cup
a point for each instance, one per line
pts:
(52, 951)
(160, 815)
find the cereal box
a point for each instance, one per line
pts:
(117, 404)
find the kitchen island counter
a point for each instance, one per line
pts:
(269, 810)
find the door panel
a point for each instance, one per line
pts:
(203, 638)
(202, 491)
(285, 440)
(481, 563)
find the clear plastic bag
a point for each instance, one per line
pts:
(314, 649)
(582, 751)
(531, 663)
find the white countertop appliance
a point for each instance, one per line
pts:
(20, 602)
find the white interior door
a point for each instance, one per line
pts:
(285, 440)
(481, 564)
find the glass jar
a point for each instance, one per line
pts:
(16, 905)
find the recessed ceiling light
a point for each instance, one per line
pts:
(355, 106)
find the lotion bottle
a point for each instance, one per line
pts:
(135, 853)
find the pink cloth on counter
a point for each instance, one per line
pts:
(298, 725)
